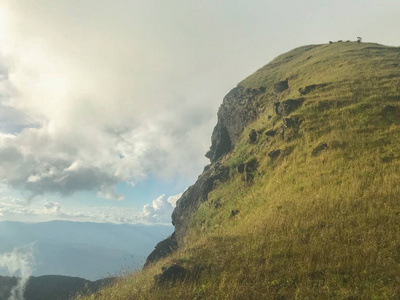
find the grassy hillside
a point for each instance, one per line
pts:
(309, 226)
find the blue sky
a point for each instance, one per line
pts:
(107, 107)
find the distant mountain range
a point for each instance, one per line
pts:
(52, 287)
(88, 250)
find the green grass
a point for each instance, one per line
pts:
(309, 227)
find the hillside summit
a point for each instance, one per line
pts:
(302, 197)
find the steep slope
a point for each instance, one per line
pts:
(302, 199)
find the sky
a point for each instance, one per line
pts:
(107, 107)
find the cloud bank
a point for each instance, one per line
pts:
(86, 105)
(157, 212)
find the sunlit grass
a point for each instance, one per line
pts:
(309, 227)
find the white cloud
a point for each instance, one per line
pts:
(19, 263)
(51, 208)
(172, 200)
(17, 209)
(74, 119)
(160, 210)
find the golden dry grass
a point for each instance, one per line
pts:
(309, 227)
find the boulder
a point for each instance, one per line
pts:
(247, 170)
(240, 168)
(290, 128)
(253, 136)
(307, 89)
(270, 132)
(288, 123)
(281, 86)
(234, 212)
(274, 154)
(170, 274)
(284, 108)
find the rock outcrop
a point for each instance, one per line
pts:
(238, 109)
(195, 195)
(186, 206)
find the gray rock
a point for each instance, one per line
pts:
(170, 274)
(307, 89)
(238, 109)
(288, 123)
(193, 196)
(281, 86)
(270, 132)
(221, 143)
(274, 154)
(240, 168)
(251, 165)
(234, 212)
(284, 108)
(247, 170)
(290, 128)
(319, 148)
(253, 136)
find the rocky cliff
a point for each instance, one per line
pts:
(238, 109)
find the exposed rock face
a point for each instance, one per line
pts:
(195, 195)
(237, 110)
(221, 143)
(186, 206)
